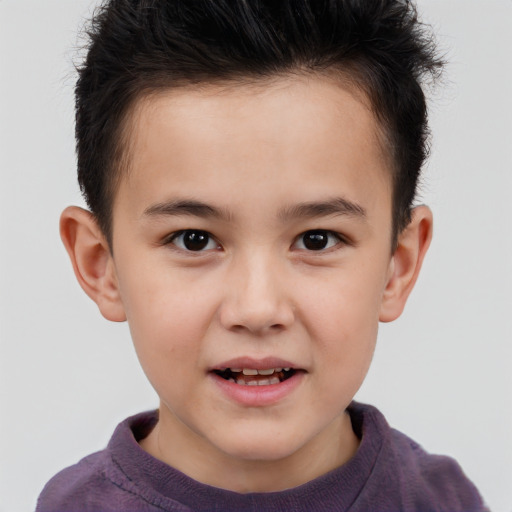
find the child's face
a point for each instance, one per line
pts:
(253, 230)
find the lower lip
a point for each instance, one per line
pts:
(258, 396)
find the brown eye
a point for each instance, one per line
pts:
(317, 240)
(194, 240)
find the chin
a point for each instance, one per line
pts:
(260, 446)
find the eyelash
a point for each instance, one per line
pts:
(200, 235)
(318, 234)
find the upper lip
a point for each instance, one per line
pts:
(255, 364)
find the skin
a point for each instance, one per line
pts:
(259, 158)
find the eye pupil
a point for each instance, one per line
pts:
(315, 240)
(195, 240)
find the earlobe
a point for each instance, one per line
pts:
(92, 261)
(406, 262)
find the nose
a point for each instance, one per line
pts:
(257, 298)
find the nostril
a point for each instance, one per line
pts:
(257, 310)
(274, 328)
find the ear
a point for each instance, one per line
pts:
(92, 261)
(406, 262)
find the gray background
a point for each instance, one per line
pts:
(441, 373)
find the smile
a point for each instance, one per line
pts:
(254, 377)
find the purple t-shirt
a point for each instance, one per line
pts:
(389, 473)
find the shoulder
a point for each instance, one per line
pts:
(97, 482)
(412, 477)
(80, 485)
(432, 478)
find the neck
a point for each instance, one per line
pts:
(331, 448)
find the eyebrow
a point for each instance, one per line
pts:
(334, 206)
(186, 207)
(312, 209)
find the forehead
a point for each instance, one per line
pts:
(304, 133)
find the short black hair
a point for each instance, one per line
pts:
(136, 47)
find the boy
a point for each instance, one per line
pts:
(251, 168)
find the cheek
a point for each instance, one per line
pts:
(342, 316)
(345, 343)
(168, 318)
(345, 302)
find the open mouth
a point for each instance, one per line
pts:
(253, 377)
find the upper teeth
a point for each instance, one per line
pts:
(253, 371)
